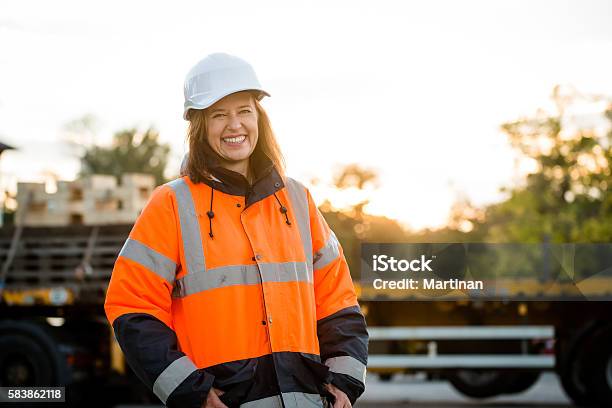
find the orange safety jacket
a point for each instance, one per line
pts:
(262, 307)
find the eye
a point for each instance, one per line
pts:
(219, 115)
(245, 111)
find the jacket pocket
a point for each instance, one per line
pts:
(237, 393)
(318, 369)
(236, 382)
(314, 371)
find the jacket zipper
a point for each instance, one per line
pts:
(266, 316)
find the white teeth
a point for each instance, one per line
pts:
(237, 139)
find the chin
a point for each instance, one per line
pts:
(237, 157)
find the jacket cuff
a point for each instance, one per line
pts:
(348, 385)
(192, 392)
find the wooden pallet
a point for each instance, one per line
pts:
(78, 258)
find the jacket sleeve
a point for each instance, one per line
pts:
(341, 328)
(138, 306)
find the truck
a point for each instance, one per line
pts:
(53, 330)
(524, 309)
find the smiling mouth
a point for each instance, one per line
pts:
(234, 140)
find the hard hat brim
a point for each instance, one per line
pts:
(212, 101)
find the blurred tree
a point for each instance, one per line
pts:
(82, 132)
(356, 179)
(353, 175)
(566, 199)
(351, 224)
(132, 151)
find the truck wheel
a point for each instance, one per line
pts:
(573, 385)
(29, 356)
(598, 366)
(571, 371)
(23, 362)
(522, 382)
(481, 383)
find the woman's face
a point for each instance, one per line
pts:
(232, 129)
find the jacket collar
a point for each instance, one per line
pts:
(267, 179)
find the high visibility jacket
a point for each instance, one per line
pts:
(246, 291)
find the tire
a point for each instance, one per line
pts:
(572, 368)
(574, 386)
(522, 382)
(29, 357)
(598, 366)
(481, 383)
(24, 363)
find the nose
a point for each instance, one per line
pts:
(234, 123)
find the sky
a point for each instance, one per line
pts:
(414, 90)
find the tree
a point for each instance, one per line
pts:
(82, 132)
(132, 151)
(351, 224)
(566, 199)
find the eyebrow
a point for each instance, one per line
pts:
(221, 109)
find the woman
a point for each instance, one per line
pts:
(231, 289)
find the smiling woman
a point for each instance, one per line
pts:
(259, 312)
(231, 131)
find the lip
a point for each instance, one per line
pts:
(234, 145)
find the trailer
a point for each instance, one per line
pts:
(544, 307)
(53, 330)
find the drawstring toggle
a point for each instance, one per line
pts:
(283, 210)
(210, 213)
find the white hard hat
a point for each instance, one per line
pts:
(217, 76)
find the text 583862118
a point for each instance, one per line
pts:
(32, 394)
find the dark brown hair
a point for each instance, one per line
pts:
(197, 168)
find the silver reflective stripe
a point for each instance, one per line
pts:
(268, 402)
(301, 400)
(242, 275)
(299, 201)
(172, 377)
(157, 263)
(347, 365)
(286, 272)
(217, 278)
(190, 227)
(290, 400)
(328, 253)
